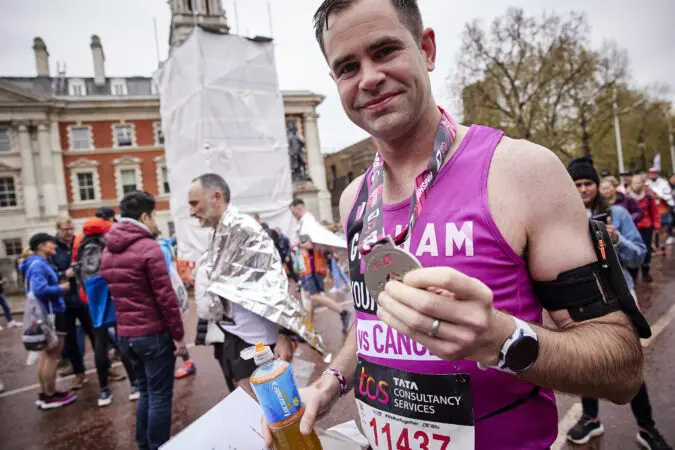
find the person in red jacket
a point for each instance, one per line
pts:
(148, 318)
(650, 223)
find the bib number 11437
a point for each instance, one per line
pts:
(400, 437)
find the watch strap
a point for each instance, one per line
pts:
(522, 329)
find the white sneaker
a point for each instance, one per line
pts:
(1, 328)
(14, 324)
(670, 240)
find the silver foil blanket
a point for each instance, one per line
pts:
(244, 267)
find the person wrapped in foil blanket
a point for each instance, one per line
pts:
(242, 266)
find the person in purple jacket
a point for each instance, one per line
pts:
(608, 189)
(149, 322)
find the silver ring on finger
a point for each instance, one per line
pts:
(435, 325)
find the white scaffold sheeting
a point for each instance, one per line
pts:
(222, 112)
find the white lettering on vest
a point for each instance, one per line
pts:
(377, 339)
(462, 237)
(354, 254)
(362, 298)
(428, 243)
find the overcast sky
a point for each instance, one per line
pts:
(645, 28)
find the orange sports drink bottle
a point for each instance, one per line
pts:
(277, 394)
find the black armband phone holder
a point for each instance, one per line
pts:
(596, 289)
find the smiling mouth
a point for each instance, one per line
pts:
(379, 102)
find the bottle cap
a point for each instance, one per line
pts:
(260, 353)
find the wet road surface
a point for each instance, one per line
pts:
(83, 425)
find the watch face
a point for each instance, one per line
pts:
(522, 354)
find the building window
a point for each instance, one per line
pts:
(85, 182)
(80, 138)
(165, 180)
(159, 135)
(7, 192)
(124, 136)
(4, 141)
(13, 247)
(350, 176)
(172, 228)
(118, 87)
(77, 87)
(129, 183)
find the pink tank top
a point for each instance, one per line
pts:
(456, 230)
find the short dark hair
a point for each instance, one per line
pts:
(408, 13)
(38, 239)
(213, 181)
(297, 201)
(135, 203)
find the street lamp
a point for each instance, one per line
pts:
(641, 146)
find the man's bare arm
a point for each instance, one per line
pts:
(601, 357)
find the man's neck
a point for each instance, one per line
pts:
(220, 216)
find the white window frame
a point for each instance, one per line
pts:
(120, 83)
(15, 180)
(160, 165)
(77, 87)
(8, 131)
(82, 189)
(156, 130)
(71, 139)
(114, 134)
(84, 166)
(12, 240)
(127, 163)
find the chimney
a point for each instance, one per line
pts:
(99, 60)
(41, 57)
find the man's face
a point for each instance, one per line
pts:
(380, 69)
(204, 205)
(66, 231)
(653, 176)
(587, 189)
(298, 211)
(672, 180)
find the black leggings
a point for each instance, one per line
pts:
(101, 343)
(642, 409)
(71, 349)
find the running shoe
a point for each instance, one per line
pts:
(104, 397)
(188, 369)
(585, 429)
(40, 400)
(651, 439)
(58, 400)
(14, 324)
(134, 394)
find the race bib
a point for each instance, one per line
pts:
(402, 410)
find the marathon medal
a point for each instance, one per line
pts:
(387, 262)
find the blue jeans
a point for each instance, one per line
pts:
(153, 362)
(338, 274)
(5, 308)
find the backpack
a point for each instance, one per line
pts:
(89, 255)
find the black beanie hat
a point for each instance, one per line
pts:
(38, 239)
(582, 168)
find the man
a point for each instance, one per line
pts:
(631, 250)
(76, 309)
(452, 323)
(148, 319)
(648, 226)
(209, 200)
(87, 256)
(315, 270)
(46, 287)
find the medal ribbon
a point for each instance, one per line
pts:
(373, 228)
